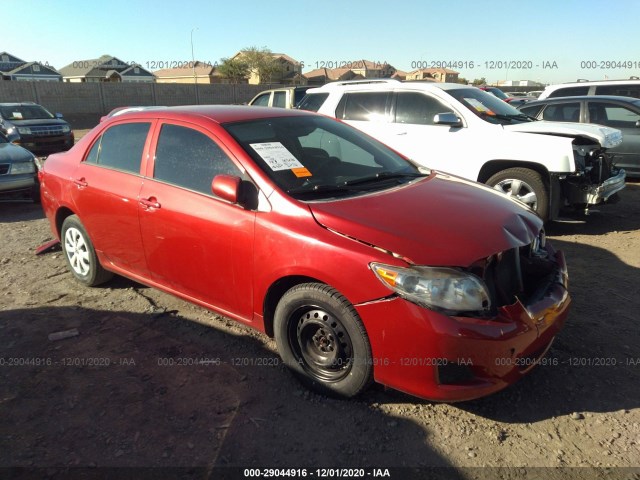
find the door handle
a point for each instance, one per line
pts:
(401, 133)
(81, 182)
(150, 202)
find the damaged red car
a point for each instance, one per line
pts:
(362, 265)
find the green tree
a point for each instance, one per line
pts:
(479, 81)
(261, 63)
(234, 69)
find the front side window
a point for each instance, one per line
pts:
(612, 115)
(190, 159)
(363, 106)
(417, 108)
(280, 99)
(120, 147)
(314, 157)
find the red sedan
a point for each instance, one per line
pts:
(362, 265)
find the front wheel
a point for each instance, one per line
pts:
(525, 185)
(80, 254)
(322, 340)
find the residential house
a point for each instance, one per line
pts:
(434, 74)
(320, 76)
(289, 71)
(105, 69)
(16, 69)
(370, 69)
(198, 72)
(399, 75)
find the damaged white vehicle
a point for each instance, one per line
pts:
(467, 132)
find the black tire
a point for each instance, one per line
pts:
(309, 320)
(35, 193)
(80, 255)
(529, 186)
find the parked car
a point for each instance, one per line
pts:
(288, 97)
(622, 113)
(624, 88)
(316, 234)
(497, 93)
(18, 172)
(35, 128)
(468, 132)
(534, 93)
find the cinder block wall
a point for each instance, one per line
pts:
(82, 104)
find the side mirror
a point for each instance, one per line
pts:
(226, 187)
(59, 115)
(638, 124)
(447, 118)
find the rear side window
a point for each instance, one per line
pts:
(624, 90)
(363, 106)
(569, 92)
(562, 112)
(417, 108)
(120, 147)
(312, 101)
(189, 159)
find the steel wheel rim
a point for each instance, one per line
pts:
(321, 344)
(518, 189)
(77, 251)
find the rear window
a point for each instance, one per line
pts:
(313, 101)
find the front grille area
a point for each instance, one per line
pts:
(524, 273)
(4, 168)
(47, 131)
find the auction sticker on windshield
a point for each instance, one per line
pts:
(478, 105)
(276, 156)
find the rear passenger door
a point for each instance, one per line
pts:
(196, 244)
(108, 183)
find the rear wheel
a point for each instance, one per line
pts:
(525, 185)
(80, 255)
(322, 340)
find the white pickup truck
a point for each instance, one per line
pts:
(470, 133)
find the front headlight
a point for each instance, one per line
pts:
(436, 288)
(66, 129)
(24, 130)
(22, 167)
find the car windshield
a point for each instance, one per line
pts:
(24, 112)
(316, 158)
(487, 106)
(312, 101)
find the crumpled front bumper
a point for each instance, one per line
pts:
(416, 350)
(581, 193)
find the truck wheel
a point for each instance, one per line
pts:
(525, 185)
(321, 338)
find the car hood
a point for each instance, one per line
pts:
(607, 137)
(438, 221)
(37, 122)
(13, 153)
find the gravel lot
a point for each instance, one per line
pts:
(130, 389)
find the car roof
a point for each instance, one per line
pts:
(216, 113)
(578, 98)
(13, 104)
(383, 84)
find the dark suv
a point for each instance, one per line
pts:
(34, 128)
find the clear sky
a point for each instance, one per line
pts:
(593, 39)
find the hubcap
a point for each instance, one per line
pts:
(321, 344)
(519, 190)
(77, 251)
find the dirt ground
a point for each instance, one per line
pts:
(152, 381)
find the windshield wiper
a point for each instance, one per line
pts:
(315, 189)
(508, 117)
(384, 176)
